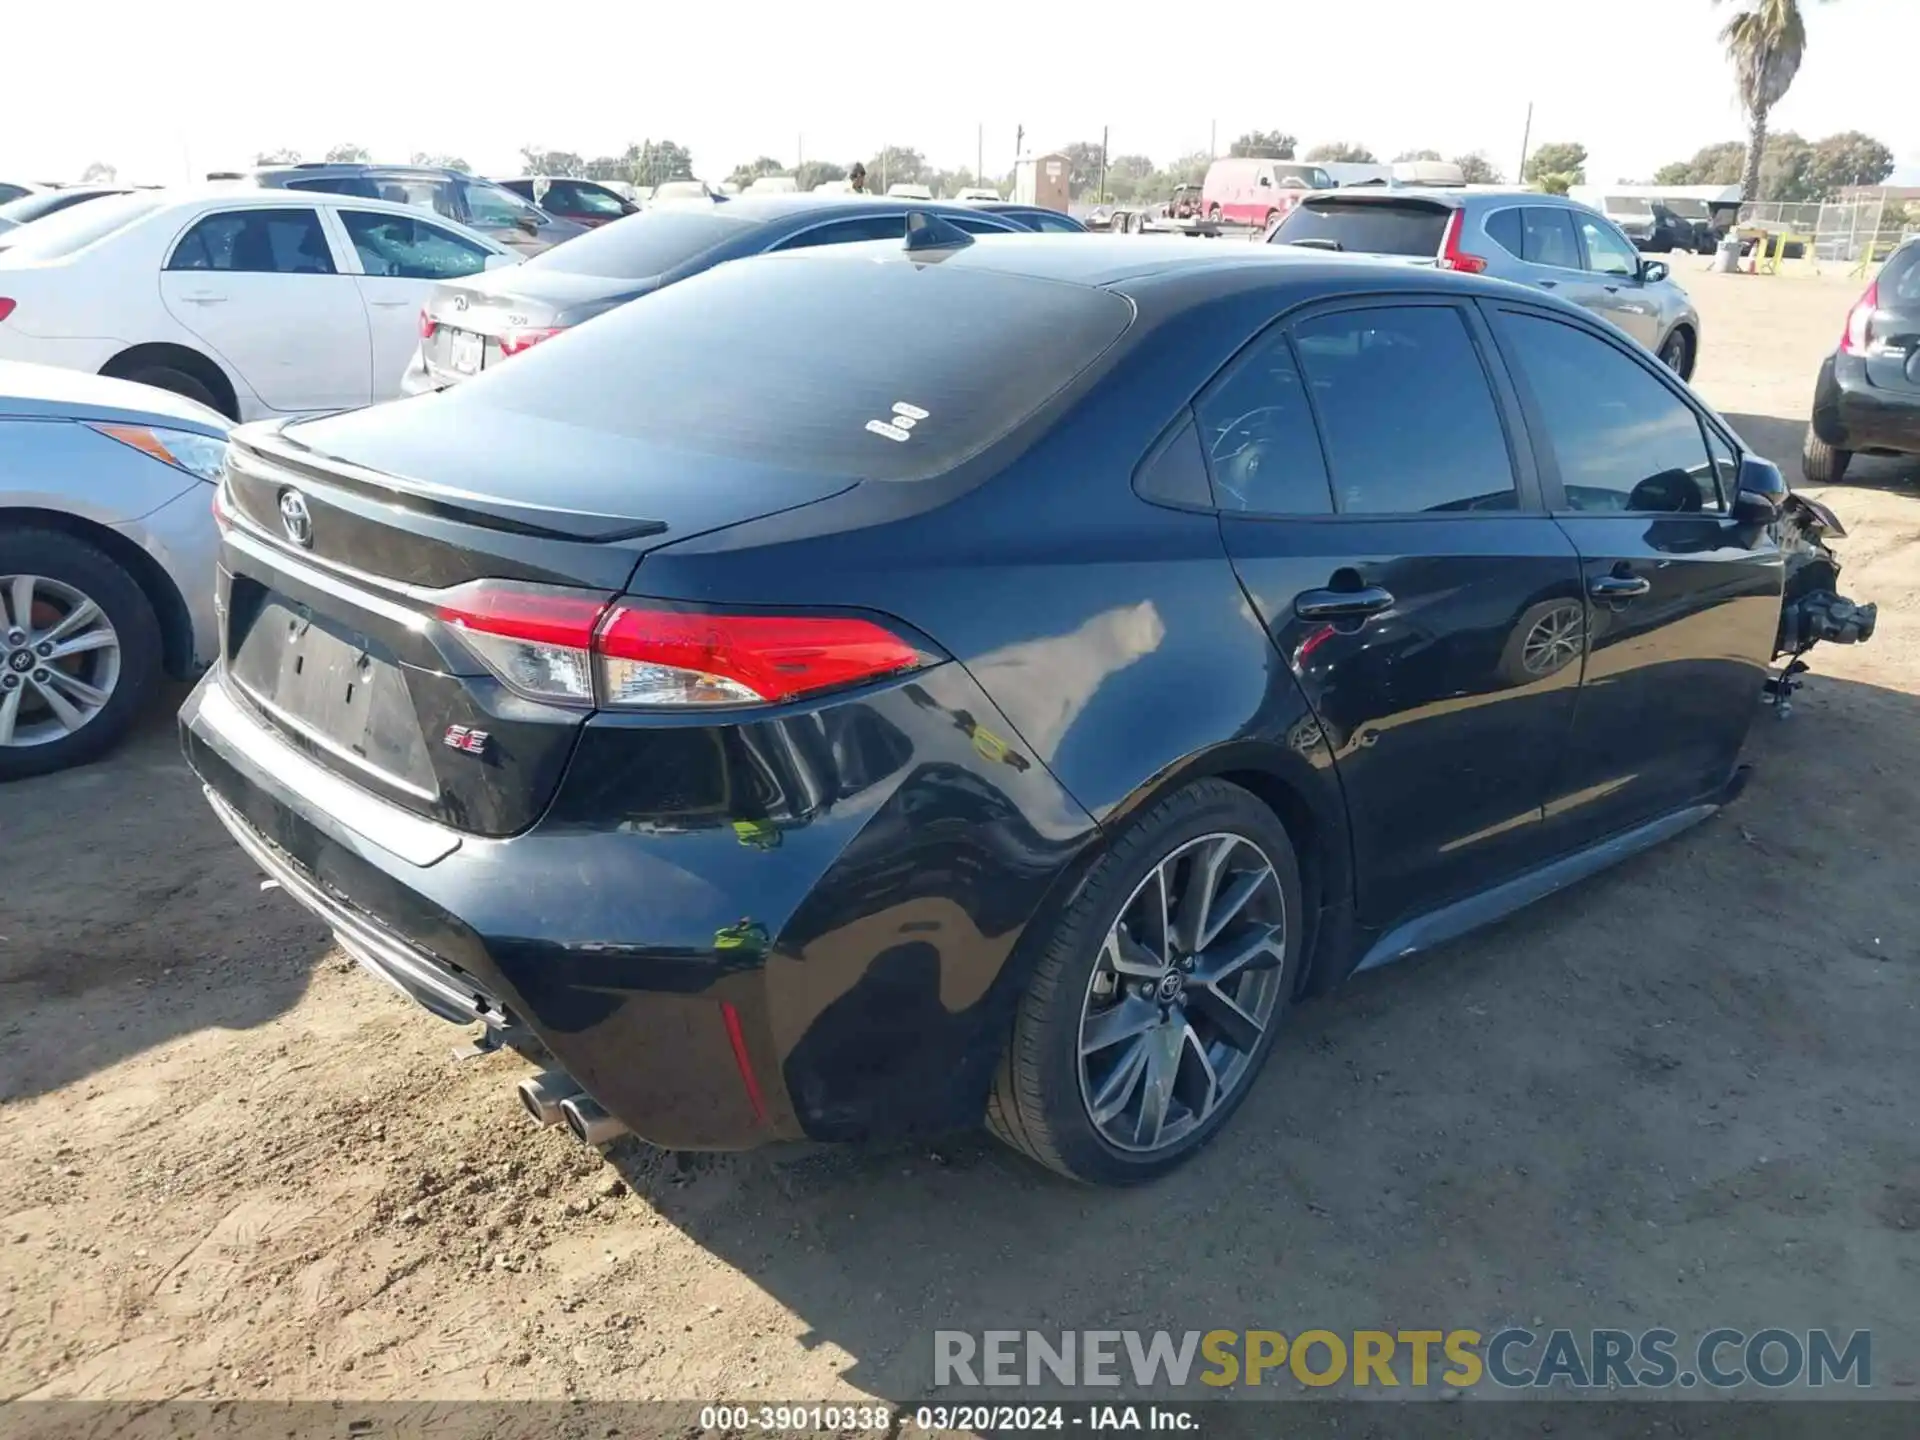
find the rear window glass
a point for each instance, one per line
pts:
(1900, 277)
(1369, 228)
(825, 362)
(1628, 205)
(643, 245)
(67, 232)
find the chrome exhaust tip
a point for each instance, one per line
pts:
(542, 1094)
(589, 1122)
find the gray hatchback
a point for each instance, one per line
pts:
(1545, 241)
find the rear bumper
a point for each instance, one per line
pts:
(1851, 414)
(856, 937)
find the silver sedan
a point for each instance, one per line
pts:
(107, 552)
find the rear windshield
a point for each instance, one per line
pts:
(1900, 278)
(824, 362)
(1628, 205)
(68, 232)
(1688, 209)
(1367, 227)
(643, 245)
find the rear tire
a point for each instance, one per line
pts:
(163, 377)
(38, 733)
(1821, 463)
(1043, 1099)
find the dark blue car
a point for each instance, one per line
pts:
(863, 692)
(474, 323)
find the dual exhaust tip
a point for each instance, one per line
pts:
(554, 1097)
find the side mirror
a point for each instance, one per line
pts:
(1761, 492)
(529, 223)
(1654, 271)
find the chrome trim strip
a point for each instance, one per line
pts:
(281, 770)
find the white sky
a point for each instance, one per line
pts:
(166, 92)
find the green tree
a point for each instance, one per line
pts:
(745, 175)
(1083, 167)
(1711, 165)
(1477, 169)
(1344, 152)
(1264, 145)
(435, 161)
(536, 161)
(1406, 156)
(1189, 169)
(654, 162)
(347, 155)
(283, 156)
(1788, 170)
(1558, 159)
(1766, 41)
(1849, 158)
(895, 165)
(812, 174)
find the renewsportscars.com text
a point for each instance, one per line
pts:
(1513, 1358)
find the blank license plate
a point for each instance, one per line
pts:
(464, 355)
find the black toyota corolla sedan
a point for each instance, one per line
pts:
(866, 690)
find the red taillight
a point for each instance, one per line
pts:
(427, 325)
(6, 307)
(570, 648)
(514, 341)
(680, 658)
(1859, 335)
(1452, 257)
(538, 641)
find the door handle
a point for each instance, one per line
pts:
(1546, 284)
(1619, 587)
(204, 297)
(1341, 604)
(392, 304)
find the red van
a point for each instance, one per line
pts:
(1258, 192)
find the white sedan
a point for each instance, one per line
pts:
(257, 303)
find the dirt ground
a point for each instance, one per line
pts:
(233, 1165)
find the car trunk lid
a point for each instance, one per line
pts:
(351, 543)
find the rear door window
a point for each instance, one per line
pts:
(1508, 232)
(1547, 238)
(279, 241)
(580, 197)
(493, 206)
(1623, 441)
(1407, 411)
(888, 371)
(1368, 227)
(1263, 452)
(1900, 279)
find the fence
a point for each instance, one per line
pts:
(1855, 232)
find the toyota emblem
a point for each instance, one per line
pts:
(459, 301)
(295, 517)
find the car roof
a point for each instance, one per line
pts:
(1137, 265)
(768, 206)
(1452, 195)
(357, 167)
(258, 199)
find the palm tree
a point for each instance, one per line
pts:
(1766, 40)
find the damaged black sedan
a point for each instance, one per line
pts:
(863, 692)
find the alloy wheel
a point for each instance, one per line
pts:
(1673, 354)
(1554, 641)
(1184, 990)
(59, 660)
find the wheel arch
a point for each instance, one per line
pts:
(183, 358)
(169, 606)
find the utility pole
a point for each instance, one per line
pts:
(1103, 167)
(1019, 142)
(1526, 139)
